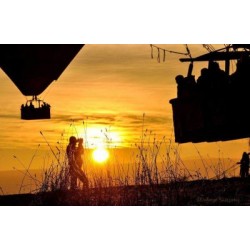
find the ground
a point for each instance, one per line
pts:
(230, 191)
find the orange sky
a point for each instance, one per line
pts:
(108, 87)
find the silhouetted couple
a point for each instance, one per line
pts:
(244, 165)
(75, 151)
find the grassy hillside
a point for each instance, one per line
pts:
(231, 191)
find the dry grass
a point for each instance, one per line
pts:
(156, 175)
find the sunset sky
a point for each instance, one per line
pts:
(105, 88)
(110, 87)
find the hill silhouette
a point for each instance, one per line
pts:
(228, 191)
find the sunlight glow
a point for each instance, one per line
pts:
(99, 137)
(100, 155)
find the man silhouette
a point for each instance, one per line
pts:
(244, 165)
(71, 149)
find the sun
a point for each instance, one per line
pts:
(100, 155)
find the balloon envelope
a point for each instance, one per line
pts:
(33, 67)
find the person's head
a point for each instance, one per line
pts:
(80, 141)
(204, 71)
(179, 79)
(72, 140)
(214, 66)
(245, 154)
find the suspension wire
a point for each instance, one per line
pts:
(188, 51)
(164, 51)
(159, 55)
(47, 91)
(169, 51)
(26, 98)
(209, 47)
(152, 51)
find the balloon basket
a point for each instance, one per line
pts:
(30, 112)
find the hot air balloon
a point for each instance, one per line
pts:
(216, 108)
(32, 68)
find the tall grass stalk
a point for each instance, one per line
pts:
(154, 162)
